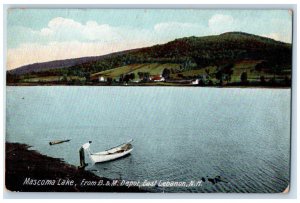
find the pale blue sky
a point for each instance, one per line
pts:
(51, 34)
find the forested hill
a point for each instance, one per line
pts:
(190, 53)
(45, 66)
(212, 50)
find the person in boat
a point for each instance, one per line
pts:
(81, 153)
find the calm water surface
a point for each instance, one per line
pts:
(180, 133)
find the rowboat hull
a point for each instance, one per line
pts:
(104, 158)
(111, 154)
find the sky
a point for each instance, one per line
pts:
(39, 35)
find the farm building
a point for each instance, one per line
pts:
(157, 78)
(98, 78)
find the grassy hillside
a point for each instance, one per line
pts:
(151, 68)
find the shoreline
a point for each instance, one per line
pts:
(151, 85)
(29, 171)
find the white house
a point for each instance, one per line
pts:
(102, 79)
(195, 82)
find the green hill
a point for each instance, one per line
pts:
(185, 58)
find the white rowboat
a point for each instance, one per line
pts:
(112, 153)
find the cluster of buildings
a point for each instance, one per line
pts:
(101, 78)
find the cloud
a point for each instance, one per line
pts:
(171, 26)
(64, 29)
(281, 30)
(173, 30)
(220, 23)
(64, 38)
(279, 37)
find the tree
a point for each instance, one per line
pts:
(287, 80)
(219, 76)
(262, 79)
(126, 78)
(224, 72)
(11, 78)
(228, 71)
(244, 77)
(276, 69)
(207, 71)
(141, 75)
(146, 76)
(132, 76)
(121, 78)
(179, 75)
(109, 81)
(166, 73)
(64, 78)
(87, 76)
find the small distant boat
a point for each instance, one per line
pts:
(112, 153)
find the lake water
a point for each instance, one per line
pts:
(180, 133)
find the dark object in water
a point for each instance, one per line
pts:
(212, 180)
(58, 142)
(220, 179)
(203, 179)
(217, 179)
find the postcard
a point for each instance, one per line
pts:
(148, 100)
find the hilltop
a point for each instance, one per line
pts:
(212, 60)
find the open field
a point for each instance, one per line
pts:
(151, 68)
(51, 79)
(116, 72)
